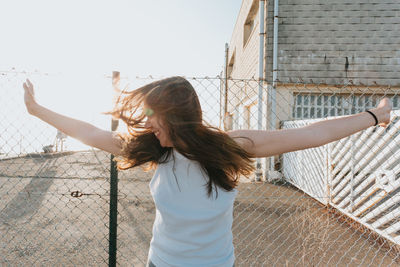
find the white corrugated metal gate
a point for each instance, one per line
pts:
(358, 175)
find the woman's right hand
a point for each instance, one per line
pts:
(29, 97)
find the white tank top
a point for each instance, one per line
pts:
(190, 228)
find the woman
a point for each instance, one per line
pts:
(197, 166)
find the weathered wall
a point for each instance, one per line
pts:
(332, 42)
(246, 55)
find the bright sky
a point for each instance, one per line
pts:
(79, 42)
(133, 36)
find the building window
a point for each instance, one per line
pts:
(250, 21)
(251, 116)
(228, 122)
(247, 117)
(312, 106)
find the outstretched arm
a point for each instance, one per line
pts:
(83, 131)
(269, 143)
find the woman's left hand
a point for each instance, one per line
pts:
(382, 112)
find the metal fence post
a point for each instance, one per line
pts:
(225, 115)
(328, 170)
(352, 151)
(112, 250)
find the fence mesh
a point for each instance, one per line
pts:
(54, 205)
(336, 205)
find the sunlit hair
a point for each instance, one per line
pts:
(176, 103)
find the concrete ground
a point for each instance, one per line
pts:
(54, 211)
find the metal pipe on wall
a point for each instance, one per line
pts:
(260, 82)
(274, 76)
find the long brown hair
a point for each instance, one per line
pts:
(175, 101)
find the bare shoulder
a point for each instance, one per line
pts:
(120, 136)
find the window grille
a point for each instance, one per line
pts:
(312, 106)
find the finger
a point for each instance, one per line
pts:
(25, 86)
(29, 83)
(27, 89)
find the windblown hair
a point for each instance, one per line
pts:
(176, 103)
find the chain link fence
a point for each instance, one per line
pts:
(321, 206)
(54, 201)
